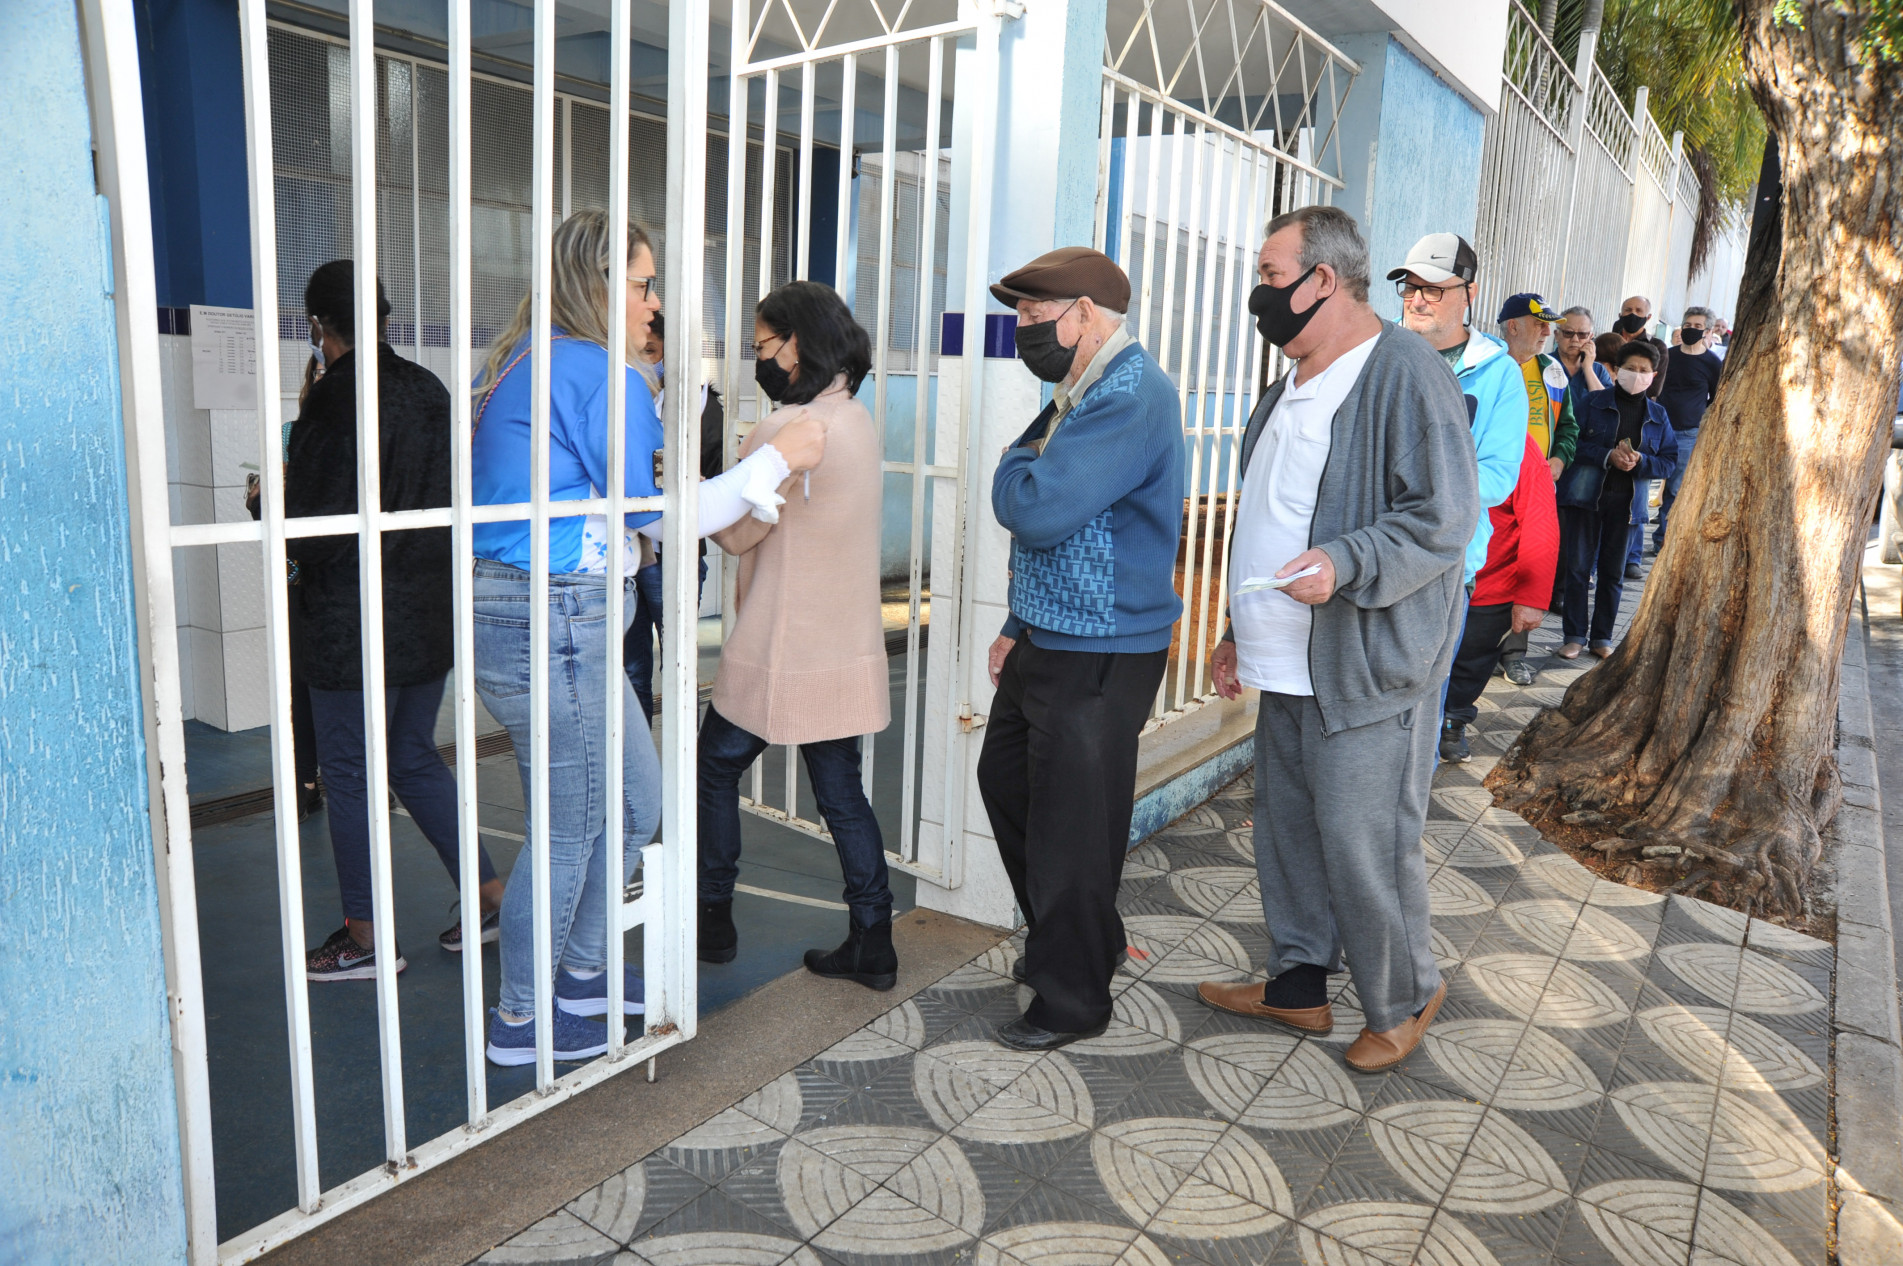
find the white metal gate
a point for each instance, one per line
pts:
(662, 903)
(1210, 127)
(892, 202)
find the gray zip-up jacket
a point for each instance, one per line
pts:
(1398, 501)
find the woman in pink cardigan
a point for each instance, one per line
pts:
(806, 662)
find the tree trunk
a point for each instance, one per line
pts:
(1712, 727)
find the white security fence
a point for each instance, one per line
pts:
(447, 184)
(1210, 127)
(1580, 200)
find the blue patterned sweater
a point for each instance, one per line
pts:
(1095, 520)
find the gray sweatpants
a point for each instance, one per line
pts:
(1338, 846)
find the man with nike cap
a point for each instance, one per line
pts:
(1352, 523)
(1092, 494)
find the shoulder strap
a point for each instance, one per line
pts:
(516, 360)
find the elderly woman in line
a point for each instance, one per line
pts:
(806, 663)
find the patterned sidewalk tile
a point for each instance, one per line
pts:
(1615, 1078)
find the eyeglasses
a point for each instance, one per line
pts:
(760, 352)
(1407, 290)
(645, 287)
(1575, 333)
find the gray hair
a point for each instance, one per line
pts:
(1697, 311)
(1578, 309)
(1329, 236)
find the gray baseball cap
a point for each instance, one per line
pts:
(1439, 259)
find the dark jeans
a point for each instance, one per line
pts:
(303, 733)
(637, 646)
(1592, 538)
(1058, 776)
(727, 751)
(1687, 440)
(1641, 515)
(1480, 646)
(417, 775)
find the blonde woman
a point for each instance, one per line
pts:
(586, 554)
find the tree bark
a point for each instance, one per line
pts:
(1712, 727)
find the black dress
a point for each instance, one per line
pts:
(321, 478)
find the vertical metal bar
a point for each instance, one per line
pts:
(118, 117)
(541, 232)
(671, 944)
(848, 107)
(789, 779)
(737, 319)
(1101, 236)
(927, 253)
(1184, 353)
(888, 186)
(1157, 113)
(769, 178)
(615, 524)
(803, 214)
(1195, 574)
(462, 547)
(259, 157)
(1233, 272)
(1126, 211)
(967, 646)
(568, 157)
(363, 201)
(416, 227)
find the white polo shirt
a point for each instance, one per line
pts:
(1272, 525)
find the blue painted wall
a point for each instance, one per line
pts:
(1410, 156)
(89, 1164)
(191, 70)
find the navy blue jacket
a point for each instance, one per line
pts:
(1581, 482)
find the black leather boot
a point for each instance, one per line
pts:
(719, 942)
(867, 956)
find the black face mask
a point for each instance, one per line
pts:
(1275, 318)
(773, 379)
(1040, 351)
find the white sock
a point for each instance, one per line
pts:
(585, 975)
(511, 1021)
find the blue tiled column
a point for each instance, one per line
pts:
(90, 1169)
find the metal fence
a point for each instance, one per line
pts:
(1210, 127)
(1580, 199)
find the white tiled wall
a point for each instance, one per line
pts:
(220, 589)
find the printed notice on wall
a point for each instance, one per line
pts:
(224, 358)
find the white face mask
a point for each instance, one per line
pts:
(1635, 382)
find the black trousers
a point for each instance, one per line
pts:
(1480, 646)
(1058, 777)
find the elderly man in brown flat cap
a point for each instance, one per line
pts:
(1092, 494)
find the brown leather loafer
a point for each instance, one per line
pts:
(1246, 999)
(1376, 1052)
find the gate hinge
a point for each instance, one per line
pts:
(969, 720)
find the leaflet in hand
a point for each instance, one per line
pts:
(1257, 583)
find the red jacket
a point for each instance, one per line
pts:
(1524, 551)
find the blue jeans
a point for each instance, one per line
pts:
(1592, 537)
(637, 648)
(416, 772)
(1687, 440)
(1641, 515)
(727, 751)
(577, 764)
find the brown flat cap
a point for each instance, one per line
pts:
(1067, 273)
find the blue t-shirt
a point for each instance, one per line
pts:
(577, 458)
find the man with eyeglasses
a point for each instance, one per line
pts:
(1436, 288)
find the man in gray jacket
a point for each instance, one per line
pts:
(1358, 498)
